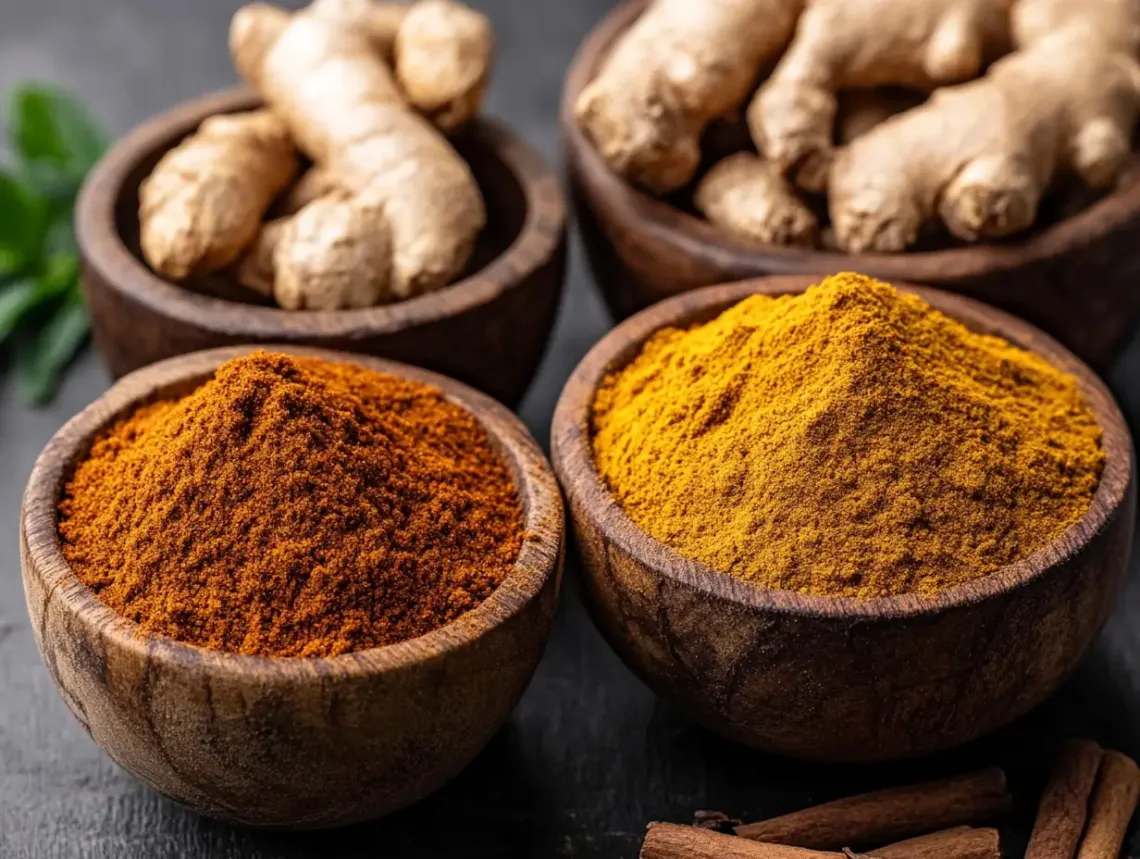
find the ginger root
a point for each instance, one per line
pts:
(313, 184)
(203, 202)
(841, 44)
(442, 52)
(379, 21)
(748, 196)
(444, 55)
(860, 110)
(319, 263)
(682, 64)
(343, 108)
(980, 155)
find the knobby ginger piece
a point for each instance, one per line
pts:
(203, 202)
(320, 265)
(380, 22)
(980, 155)
(256, 269)
(748, 196)
(860, 110)
(342, 106)
(313, 260)
(680, 65)
(444, 55)
(842, 44)
(313, 184)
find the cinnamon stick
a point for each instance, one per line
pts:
(670, 841)
(887, 815)
(961, 842)
(1114, 801)
(1064, 805)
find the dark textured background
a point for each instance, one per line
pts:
(590, 756)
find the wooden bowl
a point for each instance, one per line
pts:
(290, 742)
(488, 329)
(839, 679)
(1075, 278)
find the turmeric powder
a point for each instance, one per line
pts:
(849, 441)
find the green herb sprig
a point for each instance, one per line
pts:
(43, 321)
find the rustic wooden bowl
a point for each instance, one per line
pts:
(290, 742)
(842, 679)
(488, 329)
(1074, 278)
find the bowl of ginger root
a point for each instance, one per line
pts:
(348, 197)
(981, 146)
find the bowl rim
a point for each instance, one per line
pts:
(538, 561)
(589, 497)
(697, 238)
(104, 252)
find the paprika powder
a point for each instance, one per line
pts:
(291, 506)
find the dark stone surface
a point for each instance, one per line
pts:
(590, 756)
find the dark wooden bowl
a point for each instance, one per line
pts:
(1075, 278)
(488, 329)
(836, 679)
(290, 742)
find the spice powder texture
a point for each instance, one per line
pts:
(850, 441)
(293, 507)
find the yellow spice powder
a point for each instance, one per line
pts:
(849, 441)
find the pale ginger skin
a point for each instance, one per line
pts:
(842, 44)
(682, 64)
(442, 52)
(341, 103)
(203, 202)
(979, 156)
(750, 197)
(313, 184)
(256, 269)
(379, 21)
(311, 256)
(860, 110)
(319, 263)
(1115, 23)
(444, 55)
(280, 262)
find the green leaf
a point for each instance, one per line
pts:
(41, 361)
(60, 235)
(23, 221)
(50, 129)
(19, 299)
(15, 301)
(57, 189)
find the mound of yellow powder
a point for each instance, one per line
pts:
(848, 441)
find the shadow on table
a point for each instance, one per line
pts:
(485, 812)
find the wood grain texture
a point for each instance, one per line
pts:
(1074, 278)
(875, 818)
(1063, 809)
(842, 679)
(489, 329)
(279, 742)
